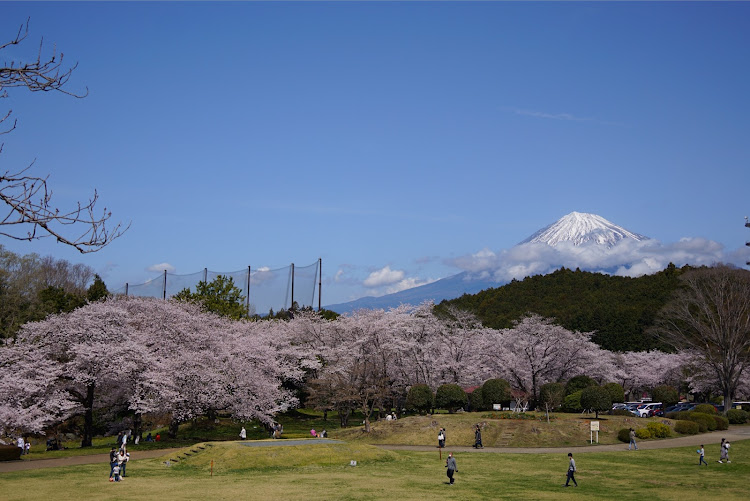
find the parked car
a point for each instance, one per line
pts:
(647, 410)
(632, 408)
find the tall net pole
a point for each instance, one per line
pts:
(247, 299)
(320, 282)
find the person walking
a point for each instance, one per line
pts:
(478, 438)
(722, 451)
(441, 438)
(702, 453)
(726, 451)
(243, 433)
(571, 471)
(632, 440)
(450, 463)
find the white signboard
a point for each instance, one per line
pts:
(497, 407)
(594, 425)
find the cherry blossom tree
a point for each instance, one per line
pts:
(536, 351)
(149, 354)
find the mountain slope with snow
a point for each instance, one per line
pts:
(577, 227)
(580, 228)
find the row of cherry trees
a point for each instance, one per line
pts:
(169, 357)
(146, 354)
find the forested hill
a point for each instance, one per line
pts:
(617, 309)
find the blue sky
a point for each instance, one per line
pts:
(392, 140)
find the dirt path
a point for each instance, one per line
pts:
(734, 433)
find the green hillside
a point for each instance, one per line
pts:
(618, 309)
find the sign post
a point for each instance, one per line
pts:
(594, 428)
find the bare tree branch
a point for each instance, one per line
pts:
(710, 315)
(30, 215)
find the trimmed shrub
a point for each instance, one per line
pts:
(676, 415)
(495, 391)
(642, 433)
(737, 416)
(450, 397)
(705, 421)
(686, 427)
(659, 430)
(705, 409)
(665, 394)
(722, 423)
(616, 393)
(596, 398)
(572, 402)
(9, 453)
(624, 435)
(578, 383)
(476, 403)
(420, 399)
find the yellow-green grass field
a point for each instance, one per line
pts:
(563, 429)
(322, 471)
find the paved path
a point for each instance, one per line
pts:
(7, 466)
(714, 437)
(732, 434)
(277, 443)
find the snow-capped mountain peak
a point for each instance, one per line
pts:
(580, 228)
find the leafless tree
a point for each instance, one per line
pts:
(710, 315)
(29, 214)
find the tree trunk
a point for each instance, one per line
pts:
(174, 425)
(137, 424)
(88, 417)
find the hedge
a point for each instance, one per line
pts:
(705, 421)
(737, 416)
(686, 427)
(705, 409)
(9, 452)
(643, 433)
(722, 423)
(624, 435)
(659, 430)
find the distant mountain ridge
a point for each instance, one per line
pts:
(577, 227)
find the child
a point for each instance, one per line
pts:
(116, 473)
(702, 453)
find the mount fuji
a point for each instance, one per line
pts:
(580, 229)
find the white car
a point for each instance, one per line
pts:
(646, 410)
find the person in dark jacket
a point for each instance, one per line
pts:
(478, 438)
(450, 463)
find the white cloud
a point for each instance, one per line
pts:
(384, 276)
(339, 275)
(627, 258)
(408, 283)
(156, 268)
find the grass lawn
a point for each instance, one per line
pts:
(322, 472)
(563, 429)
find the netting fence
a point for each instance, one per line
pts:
(263, 289)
